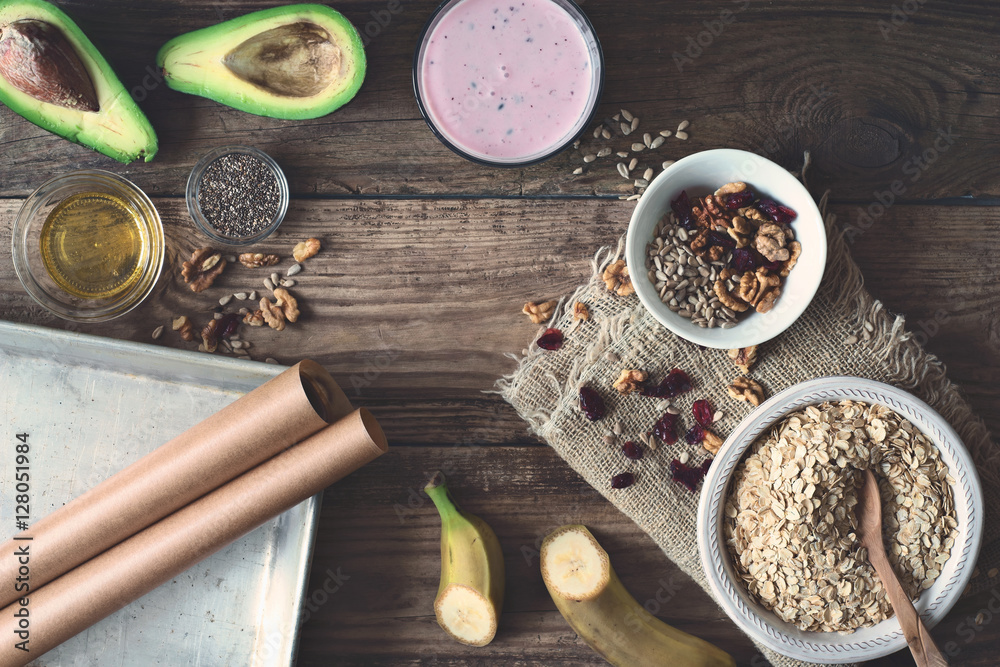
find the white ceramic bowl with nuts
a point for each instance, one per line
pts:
(885, 636)
(702, 174)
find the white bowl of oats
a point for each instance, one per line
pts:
(776, 513)
(726, 248)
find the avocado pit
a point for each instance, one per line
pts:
(294, 60)
(37, 59)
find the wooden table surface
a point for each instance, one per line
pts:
(428, 259)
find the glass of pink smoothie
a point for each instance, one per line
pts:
(508, 82)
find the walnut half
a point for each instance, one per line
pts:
(203, 268)
(255, 260)
(745, 389)
(617, 279)
(306, 249)
(629, 381)
(539, 311)
(711, 442)
(744, 357)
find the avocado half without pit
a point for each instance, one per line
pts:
(51, 74)
(294, 62)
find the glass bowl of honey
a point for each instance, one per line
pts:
(88, 245)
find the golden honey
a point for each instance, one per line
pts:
(92, 245)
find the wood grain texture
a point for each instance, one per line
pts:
(870, 101)
(413, 303)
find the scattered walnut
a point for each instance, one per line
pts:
(210, 336)
(731, 188)
(272, 315)
(770, 242)
(716, 252)
(754, 287)
(744, 357)
(539, 311)
(580, 311)
(794, 251)
(203, 268)
(254, 319)
(305, 249)
(617, 279)
(745, 389)
(289, 306)
(711, 442)
(727, 299)
(255, 260)
(182, 325)
(629, 381)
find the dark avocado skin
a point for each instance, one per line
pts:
(117, 128)
(293, 62)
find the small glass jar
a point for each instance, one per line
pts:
(145, 234)
(204, 219)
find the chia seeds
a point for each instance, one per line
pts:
(238, 195)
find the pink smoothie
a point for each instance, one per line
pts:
(506, 79)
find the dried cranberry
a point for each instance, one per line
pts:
(705, 465)
(703, 412)
(737, 200)
(677, 382)
(228, 325)
(682, 209)
(552, 339)
(591, 403)
(632, 450)
(695, 435)
(689, 477)
(724, 240)
(665, 428)
(749, 259)
(622, 481)
(778, 213)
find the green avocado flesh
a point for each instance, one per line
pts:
(51, 74)
(293, 62)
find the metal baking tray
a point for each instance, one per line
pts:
(93, 405)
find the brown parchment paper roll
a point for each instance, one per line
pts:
(83, 596)
(282, 411)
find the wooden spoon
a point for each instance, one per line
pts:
(925, 652)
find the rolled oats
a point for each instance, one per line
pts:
(790, 524)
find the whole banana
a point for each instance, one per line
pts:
(589, 595)
(470, 596)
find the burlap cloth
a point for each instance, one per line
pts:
(544, 390)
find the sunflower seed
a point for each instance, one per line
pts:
(665, 133)
(157, 332)
(623, 170)
(851, 340)
(275, 278)
(605, 133)
(244, 311)
(253, 295)
(627, 115)
(633, 164)
(226, 299)
(682, 135)
(293, 269)
(578, 171)
(576, 144)
(633, 198)
(604, 152)
(618, 428)
(684, 458)
(612, 357)
(626, 129)
(622, 153)
(666, 163)
(589, 158)
(647, 139)
(597, 131)
(635, 124)
(672, 410)
(236, 344)
(648, 174)
(218, 316)
(641, 183)
(287, 282)
(616, 117)
(268, 284)
(271, 360)
(657, 142)
(683, 125)
(610, 439)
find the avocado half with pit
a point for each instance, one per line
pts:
(294, 62)
(51, 74)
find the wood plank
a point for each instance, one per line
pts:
(821, 84)
(413, 302)
(379, 538)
